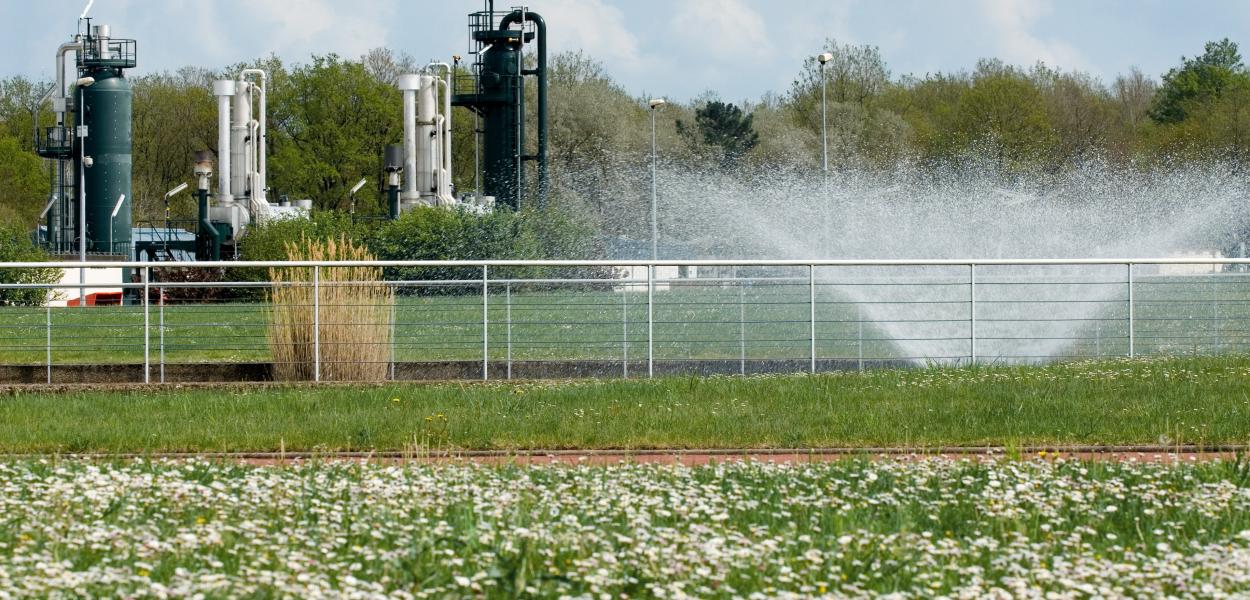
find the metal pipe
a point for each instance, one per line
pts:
(485, 325)
(316, 323)
(240, 144)
(409, 84)
(1132, 350)
(447, 86)
(223, 90)
(147, 327)
(520, 16)
(263, 146)
(924, 262)
(972, 312)
(48, 339)
(811, 291)
(650, 321)
(655, 252)
(508, 317)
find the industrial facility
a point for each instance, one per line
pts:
(89, 149)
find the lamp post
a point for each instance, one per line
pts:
(824, 59)
(655, 104)
(352, 195)
(113, 215)
(82, 83)
(168, 195)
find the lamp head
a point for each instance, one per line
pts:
(657, 103)
(84, 81)
(824, 57)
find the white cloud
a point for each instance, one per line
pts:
(1012, 22)
(594, 27)
(300, 27)
(713, 26)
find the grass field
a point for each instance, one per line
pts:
(1043, 317)
(1142, 401)
(922, 529)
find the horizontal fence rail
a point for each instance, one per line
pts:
(506, 319)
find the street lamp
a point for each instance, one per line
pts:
(168, 195)
(113, 215)
(352, 194)
(824, 59)
(654, 104)
(82, 83)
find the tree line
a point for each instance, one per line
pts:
(331, 117)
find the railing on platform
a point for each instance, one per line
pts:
(530, 319)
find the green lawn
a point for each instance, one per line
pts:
(1143, 401)
(1022, 316)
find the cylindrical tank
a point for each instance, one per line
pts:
(503, 127)
(106, 111)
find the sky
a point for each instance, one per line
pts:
(680, 49)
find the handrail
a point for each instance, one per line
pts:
(930, 262)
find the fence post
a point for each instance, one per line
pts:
(161, 326)
(650, 320)
(147, 326)
(48, 337)
(625, 331)
(485, 327)
(508, 316)
(394, 329)
(742, 324)
(972, 304)
(859, 314)
(811, 297)
(316, 322)
(1215, 314)
(1132, 338)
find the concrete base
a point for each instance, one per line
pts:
(429, 371)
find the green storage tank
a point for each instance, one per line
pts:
(105, 108)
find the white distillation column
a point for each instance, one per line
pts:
(232, 163)
(428, 167)
(409, 84)
(258, 140)
(224, 90)
(240, 146)
(444, 132)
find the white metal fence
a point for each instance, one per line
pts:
(528, 319)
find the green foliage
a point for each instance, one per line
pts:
(16, 246)
(175, 116)
(1197, 80)
(331, 121)
(23, 182)
(1005, 111)
(267, 241)
(723, 126)
(433, 233)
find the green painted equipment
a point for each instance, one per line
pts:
(105, 111)
(91, 197)
(496, 93)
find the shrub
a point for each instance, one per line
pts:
(17, 246)
(353, 310)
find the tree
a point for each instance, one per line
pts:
(1004, 112)
(722, 126)
(331, 121)
(16, 246)
(174, 117)
(24, 184)
(1196, 80)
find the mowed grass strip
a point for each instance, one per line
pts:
(1142, 401)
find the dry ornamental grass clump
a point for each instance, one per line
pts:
(352, 309)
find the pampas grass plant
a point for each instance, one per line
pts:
(354, 310)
